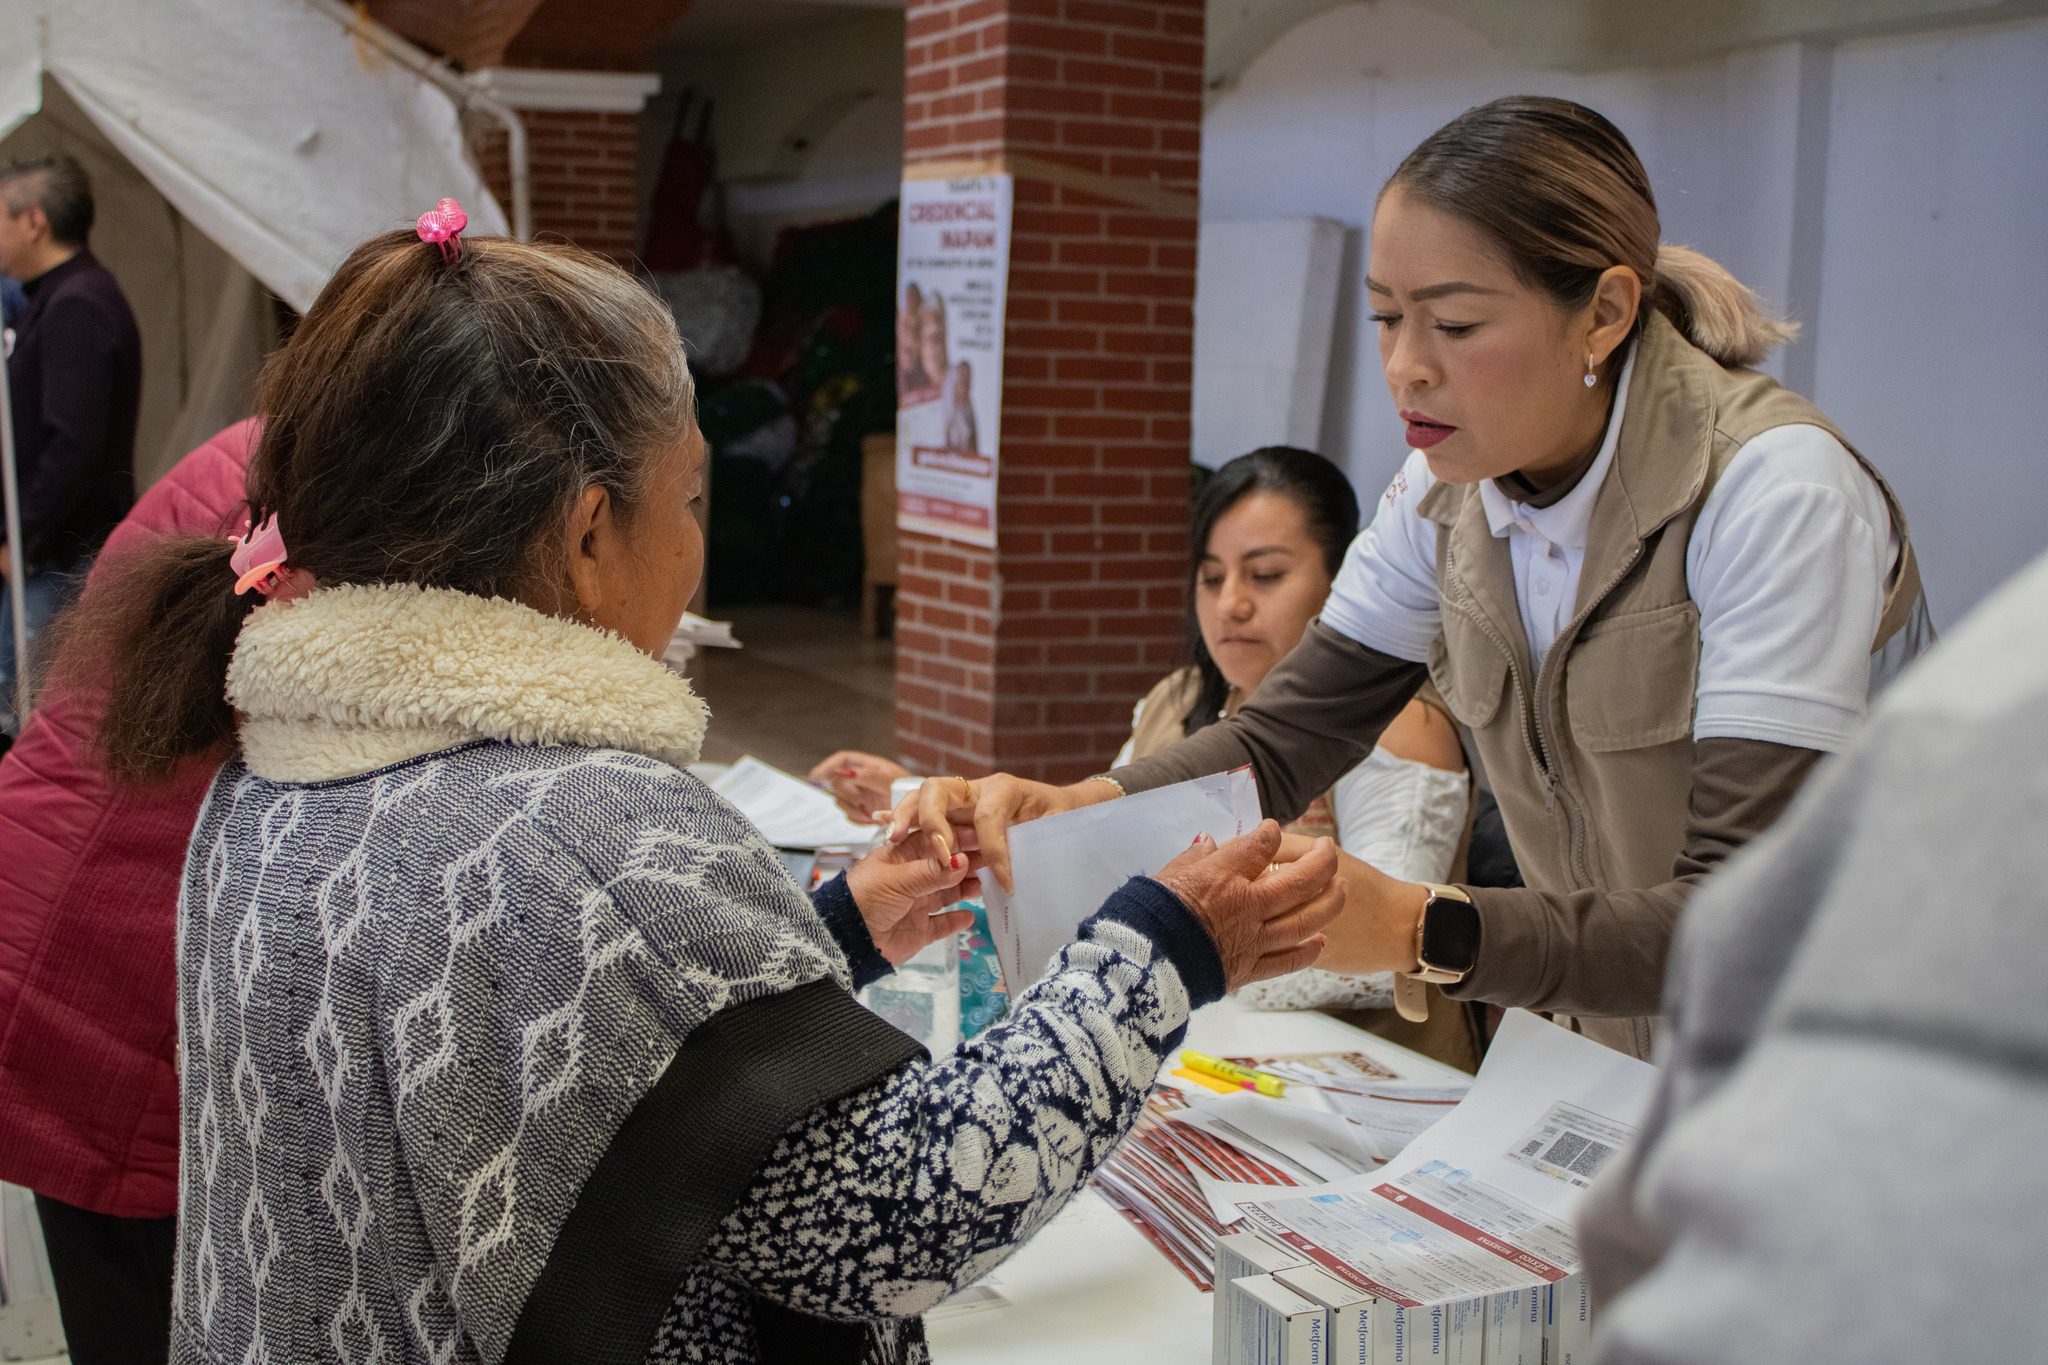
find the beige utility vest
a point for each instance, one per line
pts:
(1590, 758)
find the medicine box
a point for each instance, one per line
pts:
(1266, 1323)
(1352, 1311)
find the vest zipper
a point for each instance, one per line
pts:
(1554, 793)
(1574, 825)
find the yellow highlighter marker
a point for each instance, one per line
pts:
(1263, 1082)
(1224, 1087)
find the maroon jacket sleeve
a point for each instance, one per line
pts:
(88, 903)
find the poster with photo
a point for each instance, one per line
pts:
(953, 267)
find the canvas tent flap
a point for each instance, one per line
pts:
(21, 65)
(206, 322)
(259, 120)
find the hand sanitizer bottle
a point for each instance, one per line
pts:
(922, 997)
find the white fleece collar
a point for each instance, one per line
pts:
(354, 678)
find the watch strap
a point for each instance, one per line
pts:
(1411, 997)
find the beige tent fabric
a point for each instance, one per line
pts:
(206, 323)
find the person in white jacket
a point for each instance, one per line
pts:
(1270, 529)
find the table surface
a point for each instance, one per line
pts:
(1088, 1288)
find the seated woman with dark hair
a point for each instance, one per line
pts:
(1269, 531)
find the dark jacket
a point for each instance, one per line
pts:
(75, 380)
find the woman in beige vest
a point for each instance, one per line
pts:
(1652, 585)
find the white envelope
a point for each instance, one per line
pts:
(1066, 865)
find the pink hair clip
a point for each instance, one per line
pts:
(259, 563)
(442, 225)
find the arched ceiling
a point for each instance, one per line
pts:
(1591, 35)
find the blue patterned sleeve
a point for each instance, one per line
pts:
(835, 906)
(881, 1203)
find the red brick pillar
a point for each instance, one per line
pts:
(1027, 658)
(582, 142)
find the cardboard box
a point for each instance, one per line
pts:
(1514, 1327)
(1465, 1332)
(1237, 1256)
(1253, 1253)
(1439, 1334)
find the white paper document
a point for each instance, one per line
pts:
(1481, 1202)
(1392, 1114)
(788, 810)
(1066, 865)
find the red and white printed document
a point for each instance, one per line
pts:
(1483, 1200)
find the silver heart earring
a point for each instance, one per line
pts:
(1591, 378)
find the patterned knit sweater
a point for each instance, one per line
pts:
(445, 927)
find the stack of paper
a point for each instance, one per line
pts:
(1194, 1157)
(1065, 866)
(1479, 1209)
(1152, 1180)
(788, 810)
(693, 633)
(1391, 1114)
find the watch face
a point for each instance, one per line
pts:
(1450, 934)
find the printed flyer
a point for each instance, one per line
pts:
(952, 274)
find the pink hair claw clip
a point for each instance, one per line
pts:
(442, 226)
(259, 563)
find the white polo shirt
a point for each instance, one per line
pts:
(1787, 564)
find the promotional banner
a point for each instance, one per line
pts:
(953, 267)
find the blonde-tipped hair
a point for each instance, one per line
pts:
(1566, 197)
(1719, 313)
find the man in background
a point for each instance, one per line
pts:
(75, 375)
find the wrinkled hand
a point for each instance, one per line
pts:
(978, 813)
(1262, 918)
(1381, 914)
(901, 888)
(858, 782)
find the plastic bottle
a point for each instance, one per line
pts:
(922, 997)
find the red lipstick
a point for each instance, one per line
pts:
(1424, 431)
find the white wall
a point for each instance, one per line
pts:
(1933, 328)
(1890, 193)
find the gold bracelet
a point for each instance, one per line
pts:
(1105, 777)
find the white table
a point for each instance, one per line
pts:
(1088, 1288)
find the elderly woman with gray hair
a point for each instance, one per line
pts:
(504, 1038)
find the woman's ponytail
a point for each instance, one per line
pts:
(1717, 312)
(153, 636)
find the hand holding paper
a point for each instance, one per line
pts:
(986, 807)
(1263, 919)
